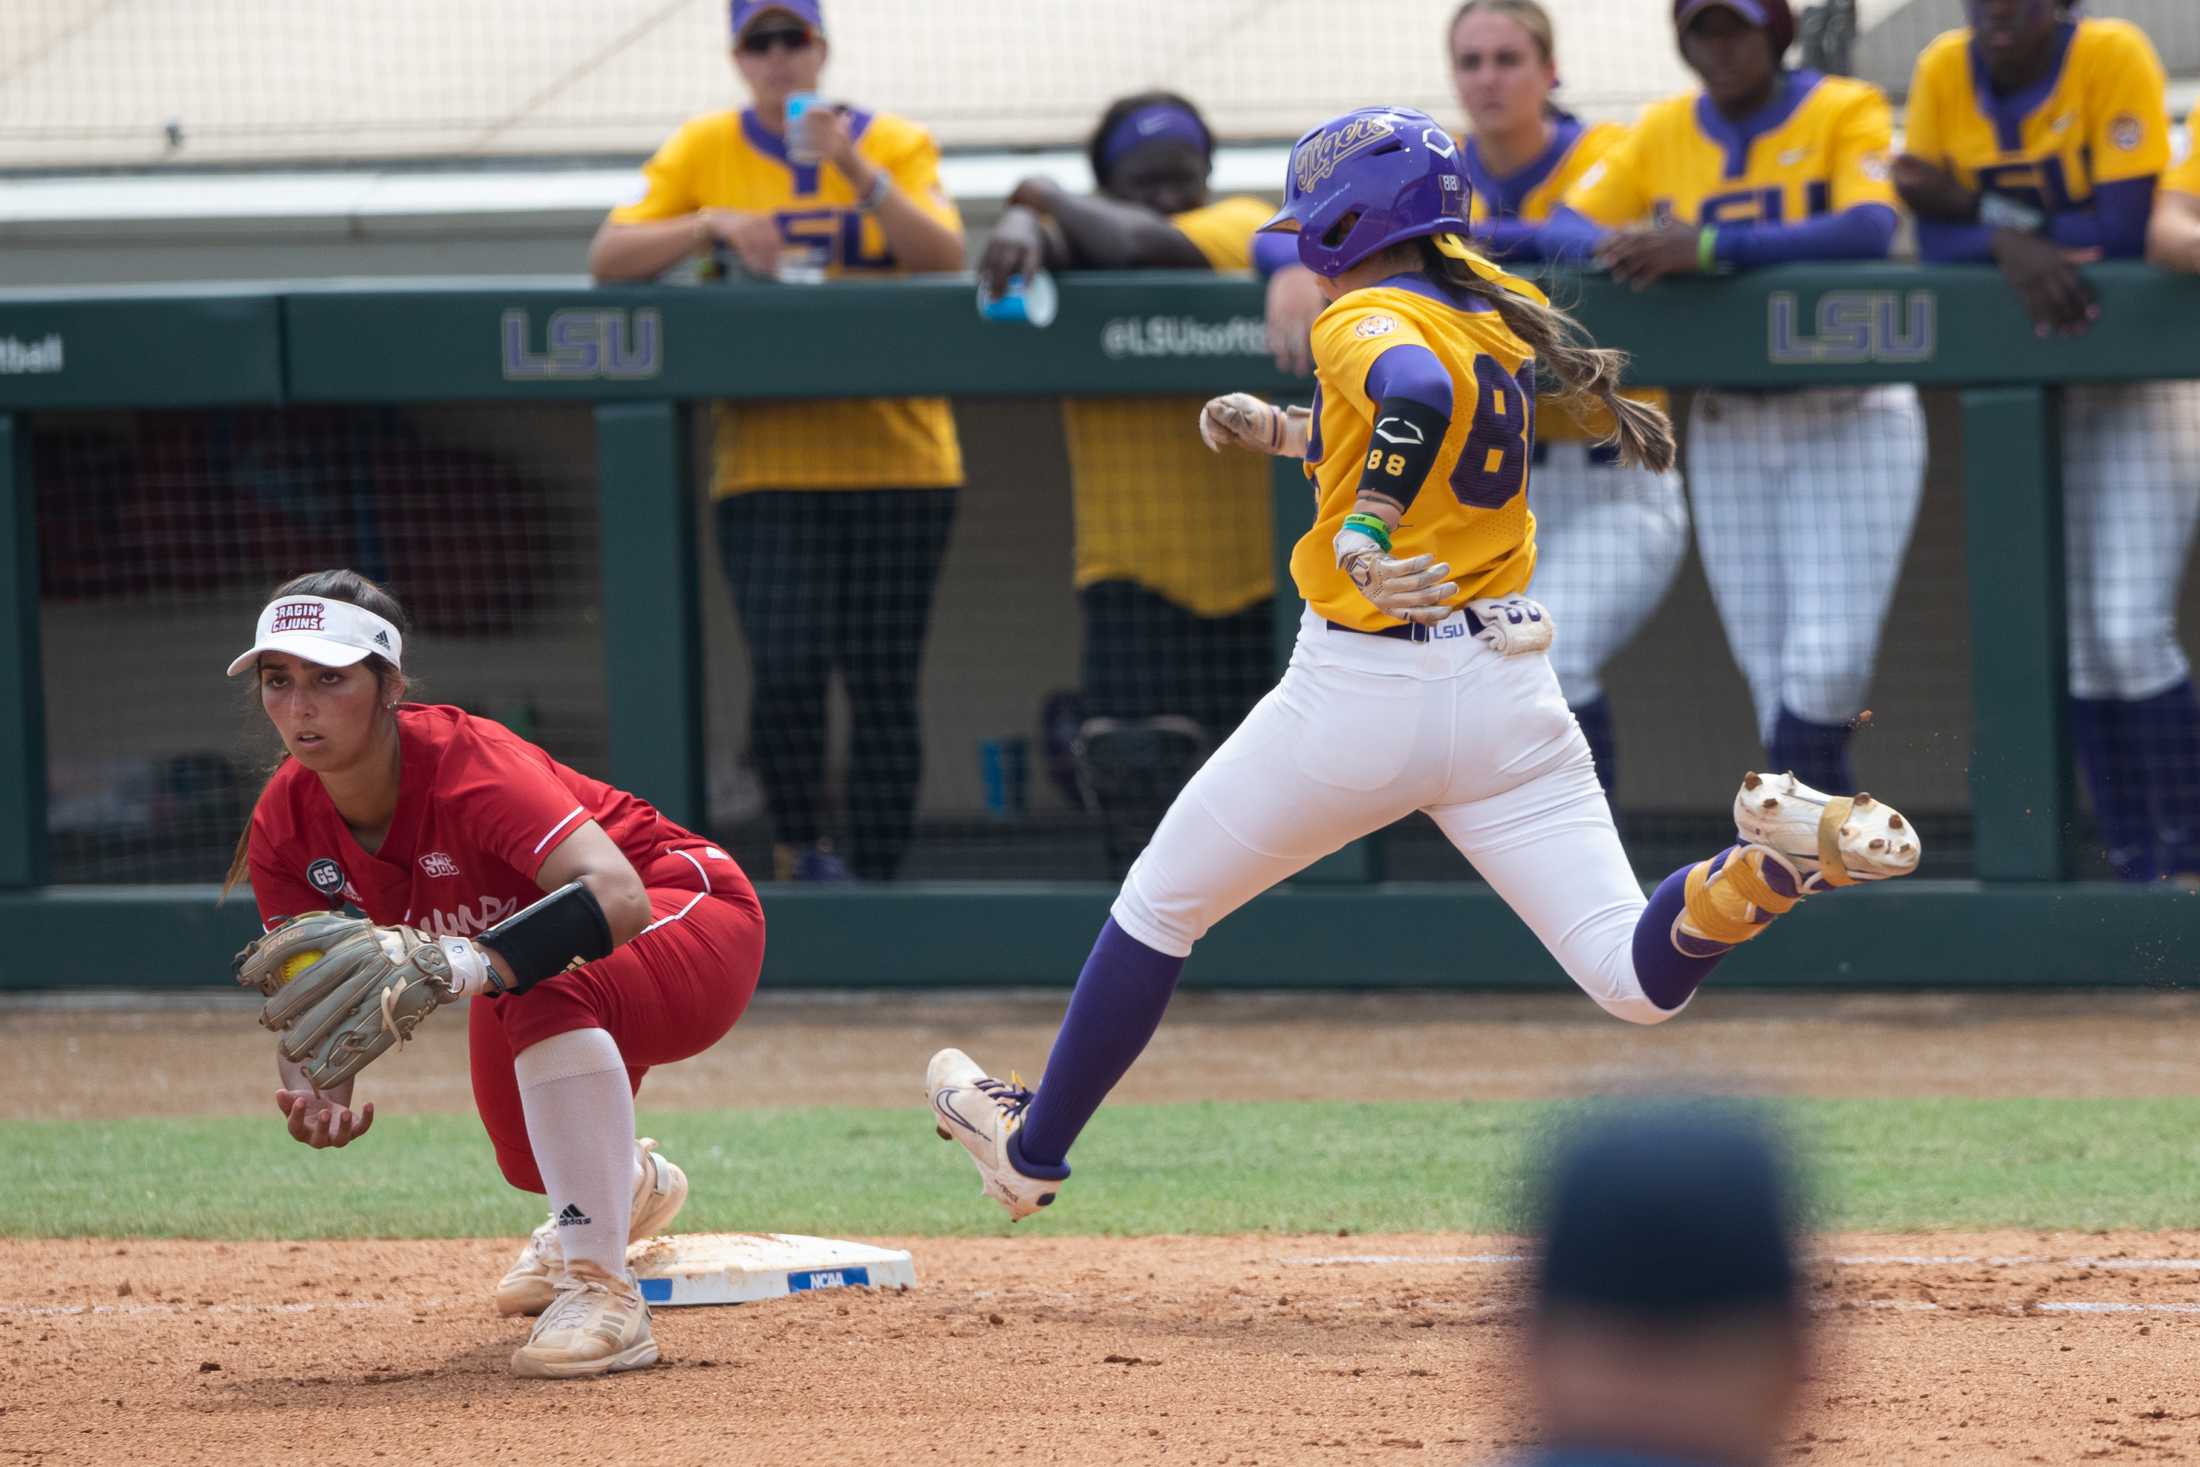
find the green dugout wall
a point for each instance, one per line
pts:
(643, 357)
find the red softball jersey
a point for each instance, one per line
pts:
(479, 809)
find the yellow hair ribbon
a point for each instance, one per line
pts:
(1453, 247)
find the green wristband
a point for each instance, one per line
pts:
(1371, 527)
(1707, 249)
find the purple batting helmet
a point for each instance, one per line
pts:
(1367, 180)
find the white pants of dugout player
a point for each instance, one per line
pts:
(1609, 540)
(1804, 502)
(2131, 501)
(1362, 731)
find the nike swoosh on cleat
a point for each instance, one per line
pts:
(939, 1103)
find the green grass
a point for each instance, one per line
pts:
(1279, 1167)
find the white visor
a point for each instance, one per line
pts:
(331, 633)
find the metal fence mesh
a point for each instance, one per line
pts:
(161, 533)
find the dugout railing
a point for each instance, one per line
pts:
(640, 360)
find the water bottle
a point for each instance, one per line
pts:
(798, 149)
(1033, 300)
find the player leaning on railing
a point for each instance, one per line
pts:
(595, 937)
(1179, 634)
(1804, 497)
(2035, 140)
(1419, 681)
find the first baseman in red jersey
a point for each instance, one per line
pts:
(433, 818)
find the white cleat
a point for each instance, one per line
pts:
(1827, 840)
(595, 1324)
(972, 1107)
(532, 1281)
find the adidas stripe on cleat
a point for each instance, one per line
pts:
(531, 1282)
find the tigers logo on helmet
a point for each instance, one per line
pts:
(1319, 158)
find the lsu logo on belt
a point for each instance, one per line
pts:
(1318, 159)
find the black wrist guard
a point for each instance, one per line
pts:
(1402, 448)
(566, 927)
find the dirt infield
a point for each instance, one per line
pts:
(1067, 1351)
(1994, 1348)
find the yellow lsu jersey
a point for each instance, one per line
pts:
(2099, 117)
(1531, 194)
(727, 160)
(1138, 471)
(1472, 511)
(1534, 191)
(1819, 148)
(2184, 175)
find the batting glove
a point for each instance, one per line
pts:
(1410, 590)
(1513, 625)
(1244, 421)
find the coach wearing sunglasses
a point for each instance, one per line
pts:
(832, 516)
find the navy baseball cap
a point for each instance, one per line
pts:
(747, 12)
(1668, 1213)
(1767, 15)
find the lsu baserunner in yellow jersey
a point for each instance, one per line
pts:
(2035, 141)
(1610, 537)
(1420, 680)
(815, 497)
(1804, 498)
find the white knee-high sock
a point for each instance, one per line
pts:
(580, 1121)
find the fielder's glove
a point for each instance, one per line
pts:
(1244, 421)
(1513, 625)
(1410, 590)
(368, 988)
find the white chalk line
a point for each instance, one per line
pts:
(1852, 1260)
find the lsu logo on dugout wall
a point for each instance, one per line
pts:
(1318, 159)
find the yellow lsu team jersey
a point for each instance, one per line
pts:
(1536, 190)
(1532, 194)
(727, 160)
(2099, 117)
(1139, 473)
(1472, 510)
(2184, 175)
(1820, 147)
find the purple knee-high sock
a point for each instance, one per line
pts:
(1117, 1005)
(2165, 739)
(1669, 966)
(2116, 779)
(1818, 753)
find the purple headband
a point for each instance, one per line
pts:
(1162, 120)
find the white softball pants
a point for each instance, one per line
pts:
(2131, 500)
(1609, 541)
(1804, 502)
(1363, 731)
